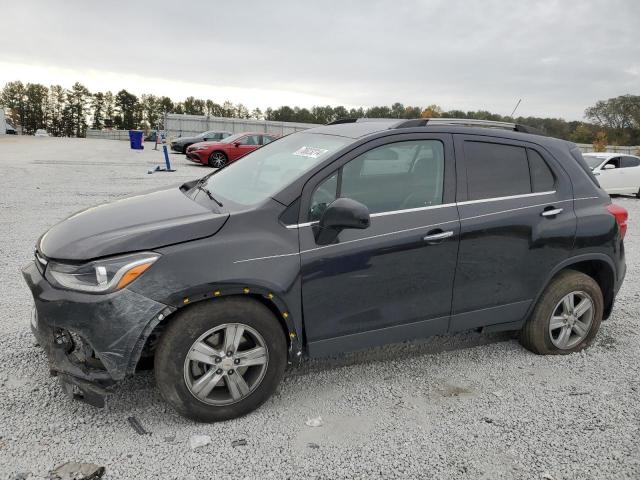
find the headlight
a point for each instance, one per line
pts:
(101, 276)
(202, 147)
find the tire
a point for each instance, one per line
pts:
(177, 376)
(218, 159)
(638, 193)
(539, 334)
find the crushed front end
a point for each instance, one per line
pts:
(92, 341)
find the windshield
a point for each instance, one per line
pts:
(592, 160)
(271, 168)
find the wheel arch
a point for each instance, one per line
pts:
(598, 266)
(273, 301)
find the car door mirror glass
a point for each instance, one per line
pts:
(609, 166)
(340, 214)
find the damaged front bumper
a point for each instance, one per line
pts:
(91, 341)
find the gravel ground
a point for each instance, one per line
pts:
(465, 406)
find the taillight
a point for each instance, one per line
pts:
(621, 215)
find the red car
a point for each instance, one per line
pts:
(220, 153)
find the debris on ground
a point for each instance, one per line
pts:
(137, 426)
(239, 442)
(20, 476)
(498, 393)
(313, 446)
(314, 422)
(77, 471)
(197, 441)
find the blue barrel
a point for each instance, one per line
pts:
(135, 138)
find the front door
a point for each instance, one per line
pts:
(611, 176)
(517, 224)
(392, 281)
(246, 144)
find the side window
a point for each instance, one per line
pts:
(397, 176)
(250, 140)
(630, 162)
(266, 139)
(323, 195)
(615, 162)
(542, 179)
(496, 170)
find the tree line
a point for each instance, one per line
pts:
(69, 112)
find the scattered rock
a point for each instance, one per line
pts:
(197, 441)
(137, 426)
(239, 442)
(314, 422)
(77, 471)
(313, 446)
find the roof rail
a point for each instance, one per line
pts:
(463, 122)
(469, 122)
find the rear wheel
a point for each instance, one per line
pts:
(220, 360)
(217, 160)
(638, 193)
(567, 316)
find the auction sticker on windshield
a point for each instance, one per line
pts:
(310, 152)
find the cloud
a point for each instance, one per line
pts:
(558, 56)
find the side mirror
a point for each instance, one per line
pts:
(236, 144)
(609, 166)
(340, 214)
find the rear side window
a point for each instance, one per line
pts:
(577, 154)
(496, 170)
(542, 179)
(630, 162)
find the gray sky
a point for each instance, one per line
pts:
(560, 56)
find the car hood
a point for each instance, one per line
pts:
(141, 222)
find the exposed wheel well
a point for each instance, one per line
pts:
(146, 356)
(603, 274)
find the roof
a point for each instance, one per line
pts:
(361, 127)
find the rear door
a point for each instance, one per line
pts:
(517, 222)
(392, 281)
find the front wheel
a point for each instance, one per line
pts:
(567, 316)
(217, 160)
(220, 360)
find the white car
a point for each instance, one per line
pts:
(41, 132)
(616, 173)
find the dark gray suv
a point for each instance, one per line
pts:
(341, 237)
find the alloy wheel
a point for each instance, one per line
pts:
(226, 364)
(571, 320)
(218, 160)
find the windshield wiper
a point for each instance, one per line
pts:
(209, 194)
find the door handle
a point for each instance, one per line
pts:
(551, 212)
(436, 237)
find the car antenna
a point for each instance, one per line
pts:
(516, 107)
